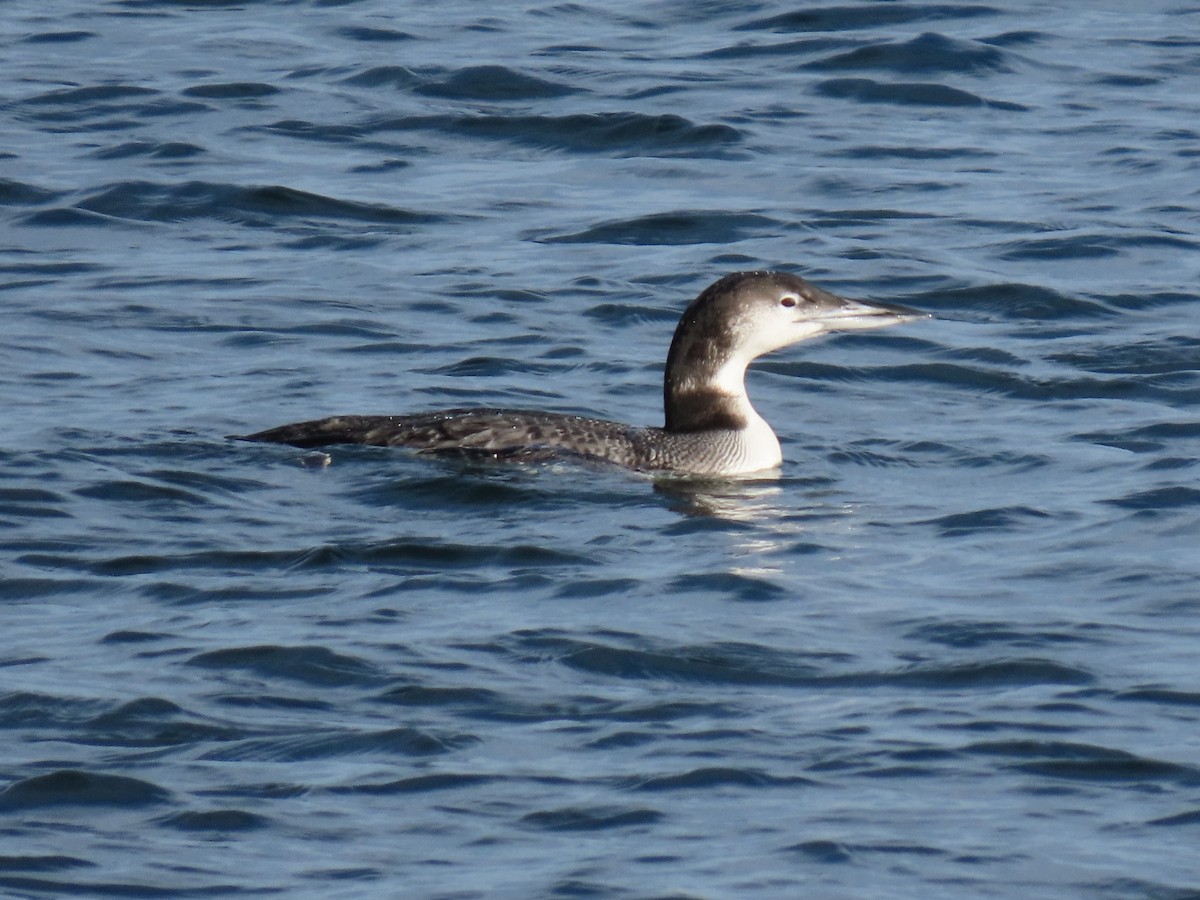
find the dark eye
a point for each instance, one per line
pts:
(787, 300)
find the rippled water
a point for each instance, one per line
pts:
(950, 651)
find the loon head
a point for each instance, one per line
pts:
(739, 318)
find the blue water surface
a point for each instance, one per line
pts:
(950, 651)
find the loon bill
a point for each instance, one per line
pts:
(710, 428)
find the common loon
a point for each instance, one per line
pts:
(711, 428)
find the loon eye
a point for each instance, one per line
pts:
(787, 300)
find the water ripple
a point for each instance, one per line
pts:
(867, 90)
(254, 206)
(493, 83)
(671, 228)
(391, 742)
(1083, 762)
(72, 787)
(309, 665)
(928, 53)
(621, 133)
(590, 819)
(849, 18)
(728, 664)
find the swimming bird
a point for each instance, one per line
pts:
(711, 429)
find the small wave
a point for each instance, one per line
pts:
(892, 151)
(67, 218)
(155, 149)
(385, 743)
(491, 706)
(741, 588)
(490, 366)
(308, 665)
(264, 206)
(622, 134)
(853, 218)
(986, 520)
(1159, 501)
(409, 557)
(851, 18)
(982, 674)
(735, 664)
(1145, 439)
(129, 491)
(188, 594)
(702, 664)
(925, 53)
(73, 787)
(234, 90)
(422, 695)
(716, 776)
(32, 503)
(216, 820)
(583, 588)
(624, 315)
(1188, 818)
(23, 708)
(104, 108)
(416, 784)
(673, 228)
(969, 634)
(1161, 695)
(1085, 762)
(21, 589)
(493, 83)
(867, 90)
(1016, 38)
(126, 636)
(1080, 246)
(838, 852)
(1129, 81)
(89, 97)
(874, 452)
(42, 863)
(312, 131)
(59, 37)
(1011, 300)
(369, 35)
(577, 818)
(823, 851)
(430, 489)
(803, 47)
(1010, 384)
(401, 77)
(1167, 361)
(149, 722)
(1149, 299)
(20, 193)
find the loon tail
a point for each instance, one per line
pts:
(378, 431)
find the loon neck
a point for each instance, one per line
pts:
(707, 411)
(704, 383)
(705, 395)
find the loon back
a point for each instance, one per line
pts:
(710, 426)
(519, 435)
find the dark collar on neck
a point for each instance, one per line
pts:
(706, 409)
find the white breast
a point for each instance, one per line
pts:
(760, 446)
